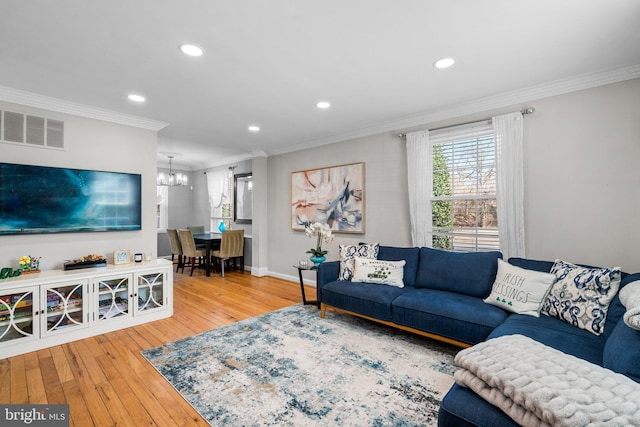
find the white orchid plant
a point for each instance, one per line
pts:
(323, 234)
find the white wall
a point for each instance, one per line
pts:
(582, 180)
(260, 224)
(89, 144)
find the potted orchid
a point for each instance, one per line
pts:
(322, 233)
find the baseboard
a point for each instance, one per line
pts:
(292, 278)
(263, 271)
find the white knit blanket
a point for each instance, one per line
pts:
(537, 385)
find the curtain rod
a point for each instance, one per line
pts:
(524, 112)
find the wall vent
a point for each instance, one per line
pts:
(34, 131)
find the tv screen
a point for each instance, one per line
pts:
(41, 199)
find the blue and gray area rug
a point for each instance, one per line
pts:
(291, 368)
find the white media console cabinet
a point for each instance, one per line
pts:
(55, 307)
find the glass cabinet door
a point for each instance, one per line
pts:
(150, 293)
(64, 306)
(113, 297)
(17, 314)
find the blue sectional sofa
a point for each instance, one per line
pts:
(443, 299)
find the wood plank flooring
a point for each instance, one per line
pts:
(106, 381)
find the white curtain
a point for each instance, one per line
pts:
(419, 170)
(510, 183)
(217, 186)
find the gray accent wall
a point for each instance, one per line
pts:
(582, 182)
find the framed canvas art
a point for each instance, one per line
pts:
(332, 196)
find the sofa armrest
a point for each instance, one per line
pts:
(327, 272)
(616, 309)
(630, 278)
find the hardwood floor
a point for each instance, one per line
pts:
(106, 381)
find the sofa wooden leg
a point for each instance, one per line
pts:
(323, 309)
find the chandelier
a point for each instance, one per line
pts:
(173, 179)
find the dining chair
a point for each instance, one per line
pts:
(191, 254)
(231, 247)
(176, 247)
(197, 229)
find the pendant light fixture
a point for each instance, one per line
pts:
(174, 179)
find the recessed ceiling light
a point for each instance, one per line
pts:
(191, 50)
(254, 128)
(136, 98)
(444, 63)
(323, 104)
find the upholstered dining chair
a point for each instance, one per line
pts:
(176, 247)
(191, 254)
(231, 247)
(197, 229)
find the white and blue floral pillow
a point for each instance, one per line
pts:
(581, 296)
(349, 252)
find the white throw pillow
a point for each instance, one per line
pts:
(379, 271)
(349, 252)
(519, 290)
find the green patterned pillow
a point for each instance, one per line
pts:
(378, 271)
(581, 296)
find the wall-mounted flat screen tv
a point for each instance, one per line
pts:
(41, 199)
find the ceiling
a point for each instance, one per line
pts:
(268, 63)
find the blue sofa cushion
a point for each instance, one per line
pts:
(410, 255)
(532, 264)
(554, 333)
(466, 273)
(461, 407)
(622, 351)
(460, 317)
(364, 298)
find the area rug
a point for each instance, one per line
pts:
(291, 368)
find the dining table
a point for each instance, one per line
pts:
(211, 241)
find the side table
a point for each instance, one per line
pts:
(301, 268)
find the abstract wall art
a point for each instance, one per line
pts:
(42, 199)
(332, 195)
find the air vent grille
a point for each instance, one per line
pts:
(31, 130)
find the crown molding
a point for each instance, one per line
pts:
(554, 88)
(224, 161)
(35, 100)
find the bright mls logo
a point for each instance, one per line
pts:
(34, 415)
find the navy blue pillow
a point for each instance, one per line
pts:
(410, 255)
(466, 273)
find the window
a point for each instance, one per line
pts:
(464, 198)
(220, 188)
